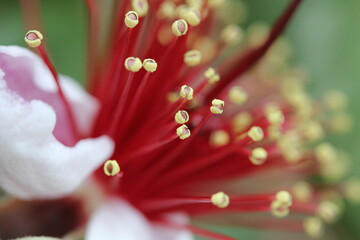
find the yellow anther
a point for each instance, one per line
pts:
(232, 34)
(328, 211)
(167, 10)
(275, 118)
(192, 58)
(284, 197)
(238, 95)
(183, 132)
(219, 138)
(192, 16)
(314, 227)
(217, 106)
(257, 34)
(271, 107)
(180, 10)
(111, 168)
(302, 191)
(214, 79)
(179, 27)
(274, 132)
(241, 121)
(181, 117)
(278, 209)
(290, 146)
(140, 6)
(256, 134)
(336, 169)
(195, 3)
(325, 153)
(340, 123)
(131, 19)
(335, 100)
(312, 130)
(210, 72)
(258, 156)
(211, 75)
(215, 3)
(186, 92)
(220, 199)
(133, 64)
(150, 65)
(33, 38)
(352, 190)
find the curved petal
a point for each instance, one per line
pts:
(117, 219)
(26, 74)
(33, 163)
(164, 233)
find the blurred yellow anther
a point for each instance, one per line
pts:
(33, 38)
(256, 134)
(217, 106)
(284, 197)
(328, 211)
(220, 199)
(179, 27)
(238, 95)
(131, 19)
(214, 79)
(209, 73)
(258, 156)
(111, 168)
(133, 64)
(314, 227)
(195, 3)
(302, 191)
(241, 121)
(340, 122)
(180, 10)
(312, 130)
(181, 117)
(325, 153)
(351, 190)
(192, 16)
(219, 138)
(183, 132)
(150, 65)
(140, 6)
(257, 34)
(192, 58)
(215, 3)
(167, 10)
(278, 209)
(186, 92)
(335, 100)
(276, 118)
(232, 34)
(274, 132)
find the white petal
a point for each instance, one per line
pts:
(85, 107)
(33, 163)
(164, 233)
(117, 219)
(28, 76)
(40, 74)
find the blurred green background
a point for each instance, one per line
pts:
(325, 35)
